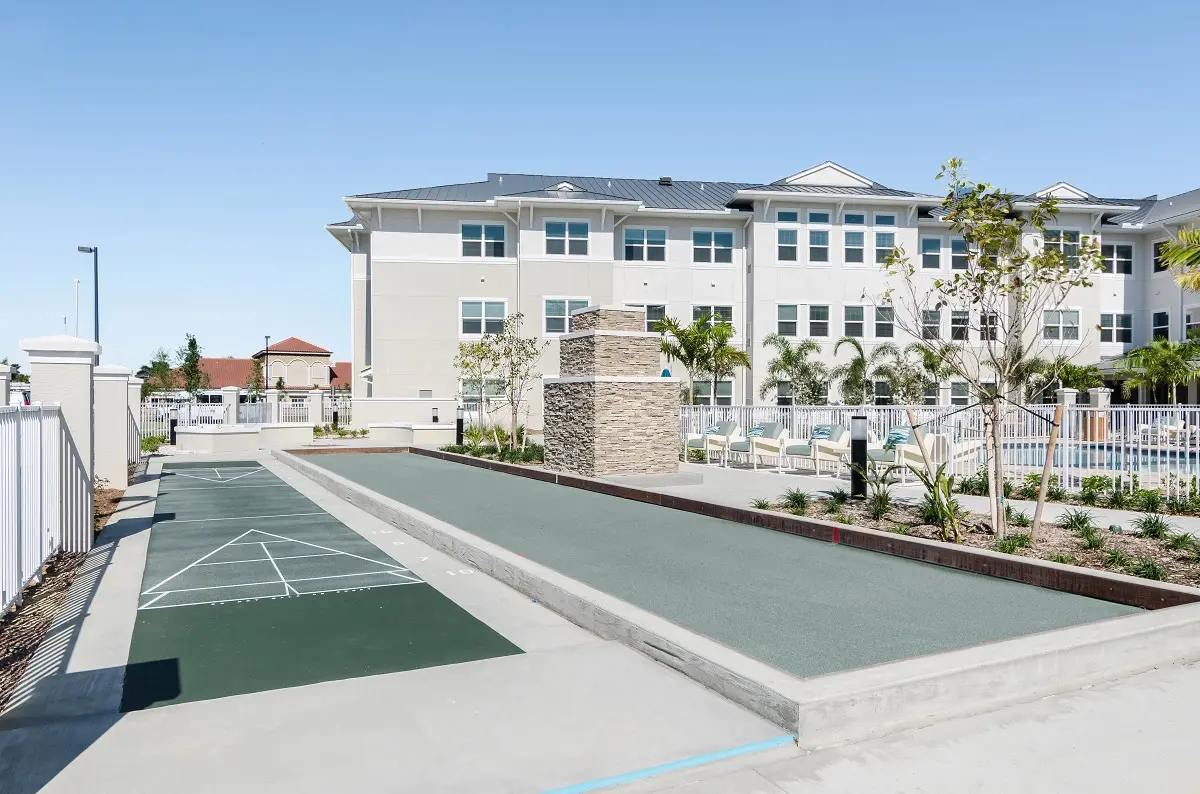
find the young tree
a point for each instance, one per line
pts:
(1162, 362)
(158, 376)
(792, 365)
(254, 381)
(722, 360)
(195, 380)
(475, 362)
(279, 384)
(687, 344)
(1010, 280)
(856, 377)
(904, 372)
(517, 359)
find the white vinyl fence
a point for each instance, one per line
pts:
(1134, 446)
(340, 404)
(133, 438)
(253, 413)
(45, 496)
(294, 411)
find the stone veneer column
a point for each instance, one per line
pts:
(610, 412)
(112, 425)
(60, 373)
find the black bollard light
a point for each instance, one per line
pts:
(460, 414)
(858, 457)
(174, 423)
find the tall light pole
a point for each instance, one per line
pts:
(266, 362)
(76, 308)
(95, 252)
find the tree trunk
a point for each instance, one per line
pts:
(912, 422)
(512, 436)
(994, 424)
(1046, 467)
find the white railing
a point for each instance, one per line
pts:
(45, 496)
(339, 403)
(133, 438)
(157, 414)
(294, 411)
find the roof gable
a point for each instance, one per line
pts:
(827, 173)
(1062, 190)
(295, 345)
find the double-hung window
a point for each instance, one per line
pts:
(1060, 325)
(931, 324)
(703, 391)
(883, 392)
(931, 253)
(646, 245)
(1116, 258)
(1065, 242)
(481, 317)
(787, 244)
(714, 247)
(558, 313)
(483, 239)
(854, 247)
(884, 243)
(852, 321)
(1160, 325)
(960, 326)
(885, 322)
(960, 393)
(1159, 264)
(786, 322)
(989, 327)
(958, 254)
(1191, 323)
(720, 314)
(818, 321)
(1116, 328)
(818, 245)
(654, 313)
(931, 395)
(567, 238)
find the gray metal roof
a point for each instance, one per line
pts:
(1174, 206)
(842, 190)
(353, 223)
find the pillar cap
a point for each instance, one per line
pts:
(111, 372)
(230, 388)
(60, 348)
(134, 380)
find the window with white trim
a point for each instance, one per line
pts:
(483, 239)
(883, 392)
(958, 254)
(787, 216)
(786, 323)
(716, 247)
(852, 321)
(932, 395)
(481, 317)
(1160, 325)
(989, 327)
(493, 389)
(885, 322)
(931, 323)
(567, 238)
(1117, 328)
(1191, 323)
(1159, 264)
(885, 219)
(646, 245)
(818, 321)
(702, 391)
(931, 253)
(818, 245)
(1117, 258)
(1060, 325)
(783, 393)
(558, 313)
(854, 247)
(720, 314)
(854, 219)
(1066, 242)
(787, 244)
(960, 393)
(884, 243)
(960, 326)
(818, 216)
(654, 313)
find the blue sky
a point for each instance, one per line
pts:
(203, 146)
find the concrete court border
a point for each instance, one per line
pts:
(828, 709)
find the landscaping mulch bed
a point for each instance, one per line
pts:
(106, 501)
(22, 629)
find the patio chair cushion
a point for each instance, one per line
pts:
(695, 443)
(720, 428)
(897, 437)
(740, 446)
(881, 455)
(755, 432)
(822, 432)
(772, 429)
(801, 450)
(836, 432)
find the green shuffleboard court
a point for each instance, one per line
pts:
(250, 586)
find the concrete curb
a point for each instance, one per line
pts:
(827, 709)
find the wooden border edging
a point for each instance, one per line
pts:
(1102, 585)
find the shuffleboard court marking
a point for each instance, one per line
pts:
(287, 588)
(222, 487)
(236, 518)
(264, 559)
(218, 473)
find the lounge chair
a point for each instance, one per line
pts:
(824, 445)
(716, 437)
(900, 449)
(768, 438)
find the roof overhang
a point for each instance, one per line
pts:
(836, 198)
(545, 201)
(1081, 207)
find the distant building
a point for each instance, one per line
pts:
(302, 365)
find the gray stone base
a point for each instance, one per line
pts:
(598, 428)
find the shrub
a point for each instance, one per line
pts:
(1095, 484)
(837, 497)
(152, 443)
(1179, 541)
(1116, 558)
(761, 504)
(938, 506)
(838, 517)
(1117, 498)
(1077, 521)
(1065, 559)
(1153, 526)
(457, 448)
(1178, 506)
(1092, 539)
(696, 455)
(879, 491)
(1150, 501)
(533, 453)
(976, 484)
(1146, 568)
(1013, 543)
(900, 529)
(1089, 498)
(1055, 492)
(796, 501)
(1017, 518)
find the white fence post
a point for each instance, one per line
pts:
(272, 417)
(112, 425)
(316, 407)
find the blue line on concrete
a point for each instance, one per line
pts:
(686, 763)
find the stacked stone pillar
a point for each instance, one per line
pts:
(610, 412)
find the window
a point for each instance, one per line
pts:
(818, 217)
(787, 245)
(1117, 327)
(885, 322)
(854, 247)
(786, 323)
(818, 321)
(482, 317)
(885, 219)
(1191, 323)
(558, 313)
(1116, 259)
(646, 245)
(958, 254)
(483, 239)
(712, 247)
(1161, 325)
(883, 392)
(818, 246)
(1061, 325)
(853, 321)
(654, 313)
(959, 395)
(931, 323)
(787, 216)
(884, 243)
(1064, 241)
(783, 394)
(931, 253)
(854, 219)
(703, 392)
(567, 237)
(1159, 264)
(932, 395)
(989, 327)
(960, 324)
(720, 313)
(493, 389)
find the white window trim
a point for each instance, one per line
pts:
(1064, 342)
(1166, 311)
(555, 334)
(807, 245)
(799, 216)
(874, 247)
(868, 320)
(643, 307)
(641, 262)
(830, 211)
(1083, 236)
(949, 248)
(972, 316)
(483, 242)
(1153, 272)
(895, 224)
(855, 229)
(943, 322)
(943, 252)
(1194, 309)
(732, 315)
(1101, 242)
(712, 398)
(1115, 314)
(895, 331)
(733, 249)
(483, 325)
(567, 239)
(866, 224)
(800, 310)
(797, 262)
(808, 320)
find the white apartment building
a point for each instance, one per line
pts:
(432, 267)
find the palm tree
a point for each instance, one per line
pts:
(1182, 255)
(687, 344)
(856, 378)
(722, 359)
(1162, 362)
(904, 371)
(792, 365)
(1065, 373)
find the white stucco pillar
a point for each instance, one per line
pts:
(1099, 397)
(60, 371)
(944, 393)
(5, 380)
(316, 407)
(1067, 396)
(272, 406)
(229, 403)
(112, 425)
